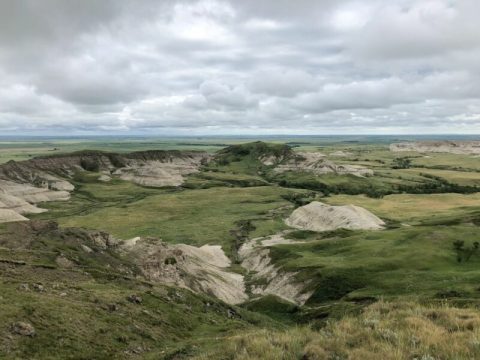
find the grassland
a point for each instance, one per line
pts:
(384, 331)
(192, 216)
(412, 208)
(412, 271)
(402, 262)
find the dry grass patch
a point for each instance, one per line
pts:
(408, 207)
(383, 331)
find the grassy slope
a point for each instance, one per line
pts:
(73, 315)
(411, 261)
(384, 331)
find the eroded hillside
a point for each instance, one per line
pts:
(27, 183)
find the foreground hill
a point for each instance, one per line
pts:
(383, 331)
(69, 293)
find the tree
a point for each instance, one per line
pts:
(401, 163)
(458, 245)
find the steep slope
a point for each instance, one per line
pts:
(200, 269)
(17, 199)
(316, 163)
(259, 156)
(318, 216)
(266, 277)
(70, 293)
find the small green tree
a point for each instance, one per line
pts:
(458, 245)
(401, 163)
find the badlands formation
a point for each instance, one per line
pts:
(454, 147)
(316, 163)
(25, 184)
(318, 216)
(272, 280)
(204, 269)
(200, 269)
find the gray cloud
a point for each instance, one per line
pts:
(213, 66)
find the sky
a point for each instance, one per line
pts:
(165, 67)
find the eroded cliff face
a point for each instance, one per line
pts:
(201, 269)
(268, 278)
(453, 147)
(25, 184)
(157, 169)
(316, 163)
(206, 269)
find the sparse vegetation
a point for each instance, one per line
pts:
(397, 330)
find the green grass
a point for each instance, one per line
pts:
(414, 258)
(198, 217)
(411, 208)
(73, 316)
(447, 161)
(410, 261)
(457, 177)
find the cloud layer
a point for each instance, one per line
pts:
(239, 67)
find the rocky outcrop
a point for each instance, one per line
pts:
(18, 199)
(316, 163)
(200, 269)
(169, 169)
(266, 277)
(317, 216)
(152, 168)
(454, 147)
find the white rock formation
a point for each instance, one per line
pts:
(255, 256)
(318, 216)
(200, 269)
(21, 199)
(316, 163)
(454, 147)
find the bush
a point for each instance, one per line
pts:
(89, 164)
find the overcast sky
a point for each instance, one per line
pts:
(239, 67)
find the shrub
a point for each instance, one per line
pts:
(89, 164)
